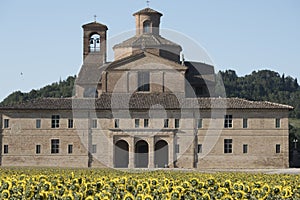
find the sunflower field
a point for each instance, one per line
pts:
(100, 184)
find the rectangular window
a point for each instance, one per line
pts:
(227, 145)
(94, 148)
(54, 146)
(177, 148)
(38, 123)
(245, 148)
(245, 123)
(6, 123)
(177, 123)
(277, 148)
(70, 148)
(146, 123)
(55, 121)
(70, 123)
(144, 81)
(137, 123)
(5, 149)
(199, 123)
(228, 121)
(38, 149)
(199, 148)
(166, 123)
(277, 121)
(117, 123)
(94, 123)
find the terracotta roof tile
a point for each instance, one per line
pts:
(147, 11)
(143, 101)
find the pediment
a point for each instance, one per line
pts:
(144, 61)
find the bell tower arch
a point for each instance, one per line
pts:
(94, 40)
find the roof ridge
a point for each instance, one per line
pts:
(279, 104)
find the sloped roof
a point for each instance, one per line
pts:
(143, 101)
(95, 24)
(147, 11)
(143, 54)
(148, 41)
(91, 70)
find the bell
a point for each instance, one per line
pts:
(91, 41)
(98, 40)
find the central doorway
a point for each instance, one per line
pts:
(141, 154)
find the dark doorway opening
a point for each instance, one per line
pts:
(121, 154)
(161, 156)
(141, 154)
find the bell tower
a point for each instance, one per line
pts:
(94, 40)
(147, 21)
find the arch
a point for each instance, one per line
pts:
(121, 154)
(94, 41)
(161, 154)
(147, 26)
(141, 154)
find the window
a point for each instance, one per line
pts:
(146, 27)
(245, 148)
(146, 123)
(177, 148)
(117, 123)
(228, 121)
(245, 123)
(176, 123)
(166, 123)
(199, 123)
(143, 81)
(137, 123)
(277, 148)
(5, 149)
(94, 148)
(55, 121)
(277, 121)
(227, 145)
(199, 148)
(6, 123)
(38, 123)
(70, 123)
(70, 148)
(38, 149)
(54, 146)
(94, 123)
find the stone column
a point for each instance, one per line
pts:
(131, 164)
(151, 152)
(111, 147)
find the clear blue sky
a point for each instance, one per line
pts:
(43, 39)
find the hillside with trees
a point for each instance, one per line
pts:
(264, 85)
(57, 89)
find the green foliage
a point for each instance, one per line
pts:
(264, 85)
(60, 89)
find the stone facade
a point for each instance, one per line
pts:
(146, 109)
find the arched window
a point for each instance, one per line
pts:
(95, 43)
(147, 27)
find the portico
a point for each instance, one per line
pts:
(134, 150)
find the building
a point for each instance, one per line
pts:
(147, 109)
